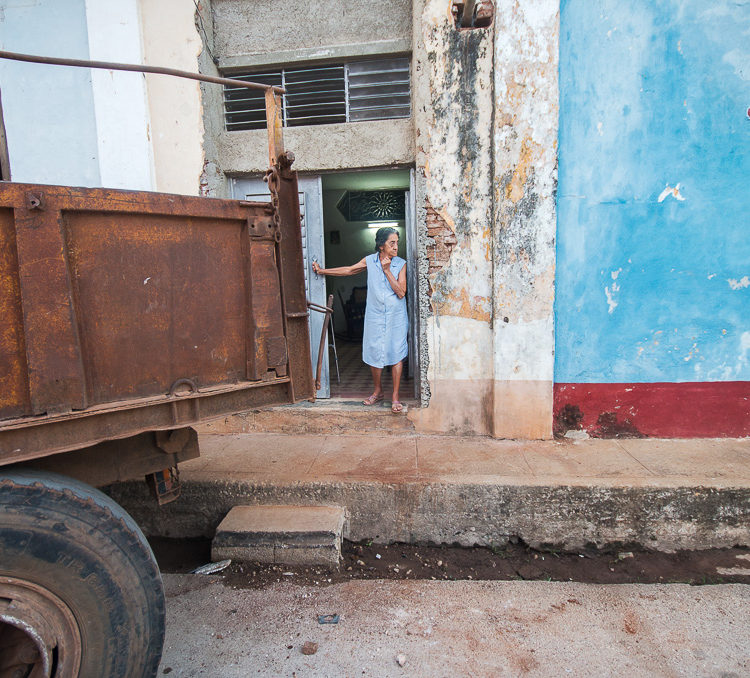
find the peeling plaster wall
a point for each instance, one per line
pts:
(483, 137)
(654, 203)
(486, 129)
(526, 123)
(454, 140)
(213, 182)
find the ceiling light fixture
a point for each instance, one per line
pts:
(383, 224)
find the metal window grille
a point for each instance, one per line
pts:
(377, 89)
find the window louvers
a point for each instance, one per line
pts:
(379, 89)
(315, 96)
(246, 108)
(362, 90)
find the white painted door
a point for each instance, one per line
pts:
(311, 211)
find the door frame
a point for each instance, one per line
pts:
(412, 284)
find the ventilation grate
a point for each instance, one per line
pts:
(378, 89)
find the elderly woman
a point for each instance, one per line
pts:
(386, 320)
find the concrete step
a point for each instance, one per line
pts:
(293, 535)
(322, 417)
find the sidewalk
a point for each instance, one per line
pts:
(665, 494)
(283, 458)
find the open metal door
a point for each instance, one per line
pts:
(311, 212)
(412, 302)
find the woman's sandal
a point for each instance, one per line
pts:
(371, 400)
(396, 407)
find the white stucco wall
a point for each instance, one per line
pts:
(122, 116)
(170, 38)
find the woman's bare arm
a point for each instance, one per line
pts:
(341, 270)
(398, 286)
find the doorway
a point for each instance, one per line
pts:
(355, 205)
(340, 214)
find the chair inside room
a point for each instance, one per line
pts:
(354, 312)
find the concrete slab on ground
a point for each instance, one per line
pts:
(295, 535)
(664, 494)
(456, 629)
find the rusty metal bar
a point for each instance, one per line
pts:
(274, 125)
(467, 20)
(316, 307)
(70, 199)
(323, 333)
(44, 436)
(138, 68)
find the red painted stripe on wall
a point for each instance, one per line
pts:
(663, 410)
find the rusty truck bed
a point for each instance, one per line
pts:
(125, 312)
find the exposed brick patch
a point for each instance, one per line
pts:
(441, 240)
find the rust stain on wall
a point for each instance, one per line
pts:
(460, 303)
(441, 239)
(515, 189)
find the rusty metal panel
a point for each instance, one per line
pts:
(53, 349)
(143, 311)
(14, 384)
(160, 299)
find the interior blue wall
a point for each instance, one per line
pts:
(653, 95)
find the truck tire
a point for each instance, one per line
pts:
(80, 590)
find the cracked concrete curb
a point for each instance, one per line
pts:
(564, 516)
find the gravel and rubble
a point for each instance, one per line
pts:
(368, 560)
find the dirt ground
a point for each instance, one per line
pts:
(625, 565)
(456, 629)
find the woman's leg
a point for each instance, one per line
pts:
(396, 372)
(377, 394)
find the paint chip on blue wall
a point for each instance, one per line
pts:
(739, 284)
(674, 192)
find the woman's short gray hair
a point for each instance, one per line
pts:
(382, 235)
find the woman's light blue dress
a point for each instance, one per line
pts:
(386, 320)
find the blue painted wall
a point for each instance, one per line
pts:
(653, 95)
(48, 110)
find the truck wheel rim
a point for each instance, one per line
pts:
(38, 633)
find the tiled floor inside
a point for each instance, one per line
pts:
(356, 381)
